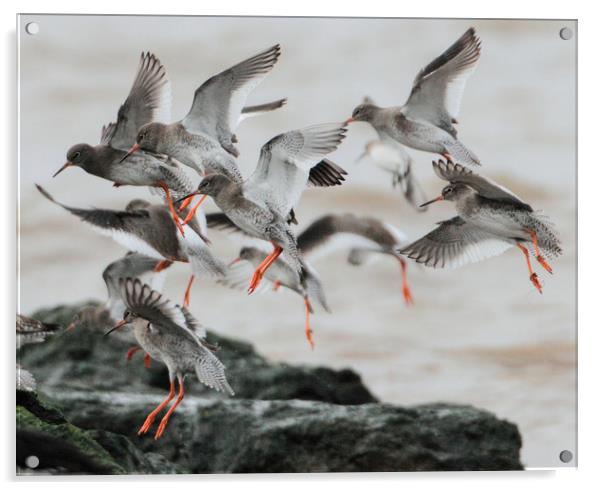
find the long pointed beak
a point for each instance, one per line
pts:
(120, 324)
(440, 198)
(135, 147)
(67, 165)
(195, 193)
(235, 261)
(350, 120)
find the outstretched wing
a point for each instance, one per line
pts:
(438, 87)
(285, 162)
(125, 227)
(133, 265)
(218, 103)
(454, 172)
(149, 100)
(455, 243)
(149, 304)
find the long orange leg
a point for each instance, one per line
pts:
(532, 274)
(186, 302)
(147, 360)
(407, 296)
(162, 265)
(192, 212)
(264, 266)
(151, 416)
(172, 209)
(185, 203)
(130, 353)
(308, 330)
(171, 410)
(538, 255)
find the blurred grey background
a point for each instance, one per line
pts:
(479, 335)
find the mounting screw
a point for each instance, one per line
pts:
(566, 33)
(566, 456)
(32, 28)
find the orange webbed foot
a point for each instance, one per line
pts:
(161, 428)
(310, 337)
(536, 283)
(407, 296)
(255, 280)
(147, 425)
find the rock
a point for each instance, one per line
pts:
(63, 448)
(84, 359)
(250, 436)
(283, 418)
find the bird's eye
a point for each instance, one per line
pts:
(76, 155)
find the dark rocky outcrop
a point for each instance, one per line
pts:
(85, 359)
(283, 418)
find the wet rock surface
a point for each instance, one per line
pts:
(283, 418)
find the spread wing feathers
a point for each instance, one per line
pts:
(149, 100)
(194, 325)
(177, 181)
(391, 157)
(199, 255)
(218, 103)
(331, 233)
(326, 174)
(211, 372)
(151, 305)
(285, 162)
(115, 224)
(107, 133)
(454, 172)
(256, 110)
(133, 265)
(455, 243)
(238, 275)
(219, 221)
(438, 87)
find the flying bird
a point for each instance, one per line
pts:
(171, 335)
(490, 220)
(426, 121)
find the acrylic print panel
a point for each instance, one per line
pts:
(413, 367)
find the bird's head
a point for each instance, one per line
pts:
(363, 112)
(213, 184)
(128, 317)
(78, 156)
(452, 192)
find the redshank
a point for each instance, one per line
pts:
(426, 121)
(490, 220)
(307, 284)
(362, 236)
(29, 331)
(260, 206)
(204, 139)
(149, 230)
(171, 335)
(149, 100)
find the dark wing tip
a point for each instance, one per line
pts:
(44, 193)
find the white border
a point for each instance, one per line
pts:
(589, 222)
